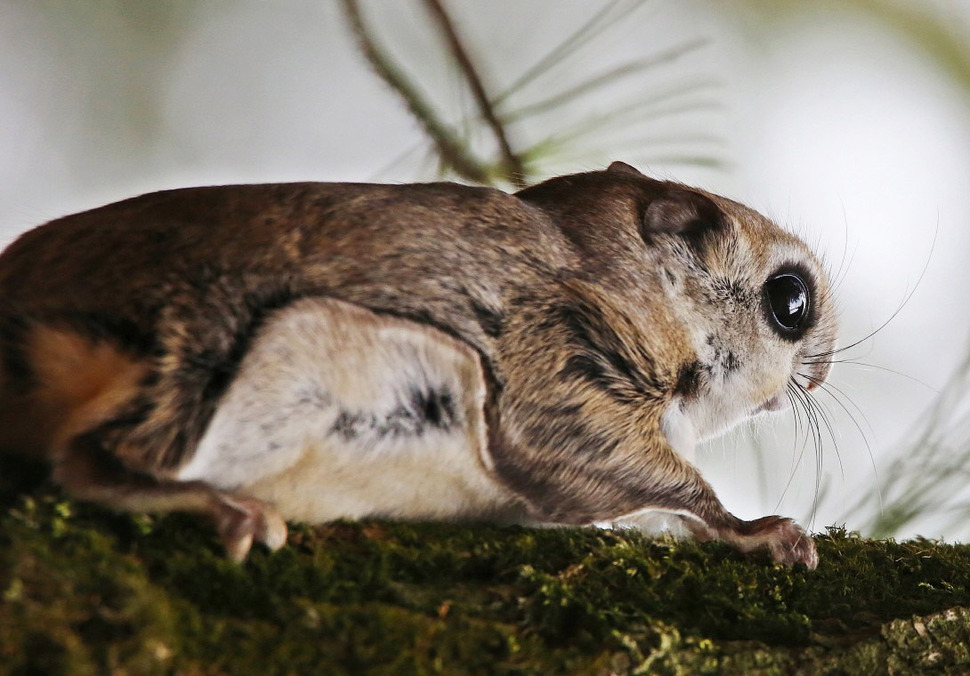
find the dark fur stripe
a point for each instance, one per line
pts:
(17, 373)
(688, 380)
(600, 357)
(492, 321)
(424, 409)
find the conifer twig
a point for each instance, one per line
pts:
(452, 151)
(513, 167)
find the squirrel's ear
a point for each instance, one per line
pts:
(681, 212)
(623, 168)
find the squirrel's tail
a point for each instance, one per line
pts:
(56, 383)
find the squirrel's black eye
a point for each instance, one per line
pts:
(788, 301)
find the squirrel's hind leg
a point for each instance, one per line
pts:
(68, 405)
(88, 473)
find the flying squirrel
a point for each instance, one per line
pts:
(315, 351)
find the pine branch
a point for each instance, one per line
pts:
(452, 151)
(513, 167)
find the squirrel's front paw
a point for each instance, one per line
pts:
(786, 540)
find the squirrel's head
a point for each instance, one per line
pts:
(740, 308)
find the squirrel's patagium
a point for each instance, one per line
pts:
(315, 351)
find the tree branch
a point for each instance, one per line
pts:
(451, 150)
(513, 168)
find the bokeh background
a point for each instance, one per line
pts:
(847, 121)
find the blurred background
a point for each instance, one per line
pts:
(848, 122)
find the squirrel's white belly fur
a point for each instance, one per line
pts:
(386, 420)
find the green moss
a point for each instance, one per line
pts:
(86, 591)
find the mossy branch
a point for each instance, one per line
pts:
(87, 591)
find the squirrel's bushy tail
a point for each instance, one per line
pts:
(62, 384)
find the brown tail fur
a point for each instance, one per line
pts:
(75, 383)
